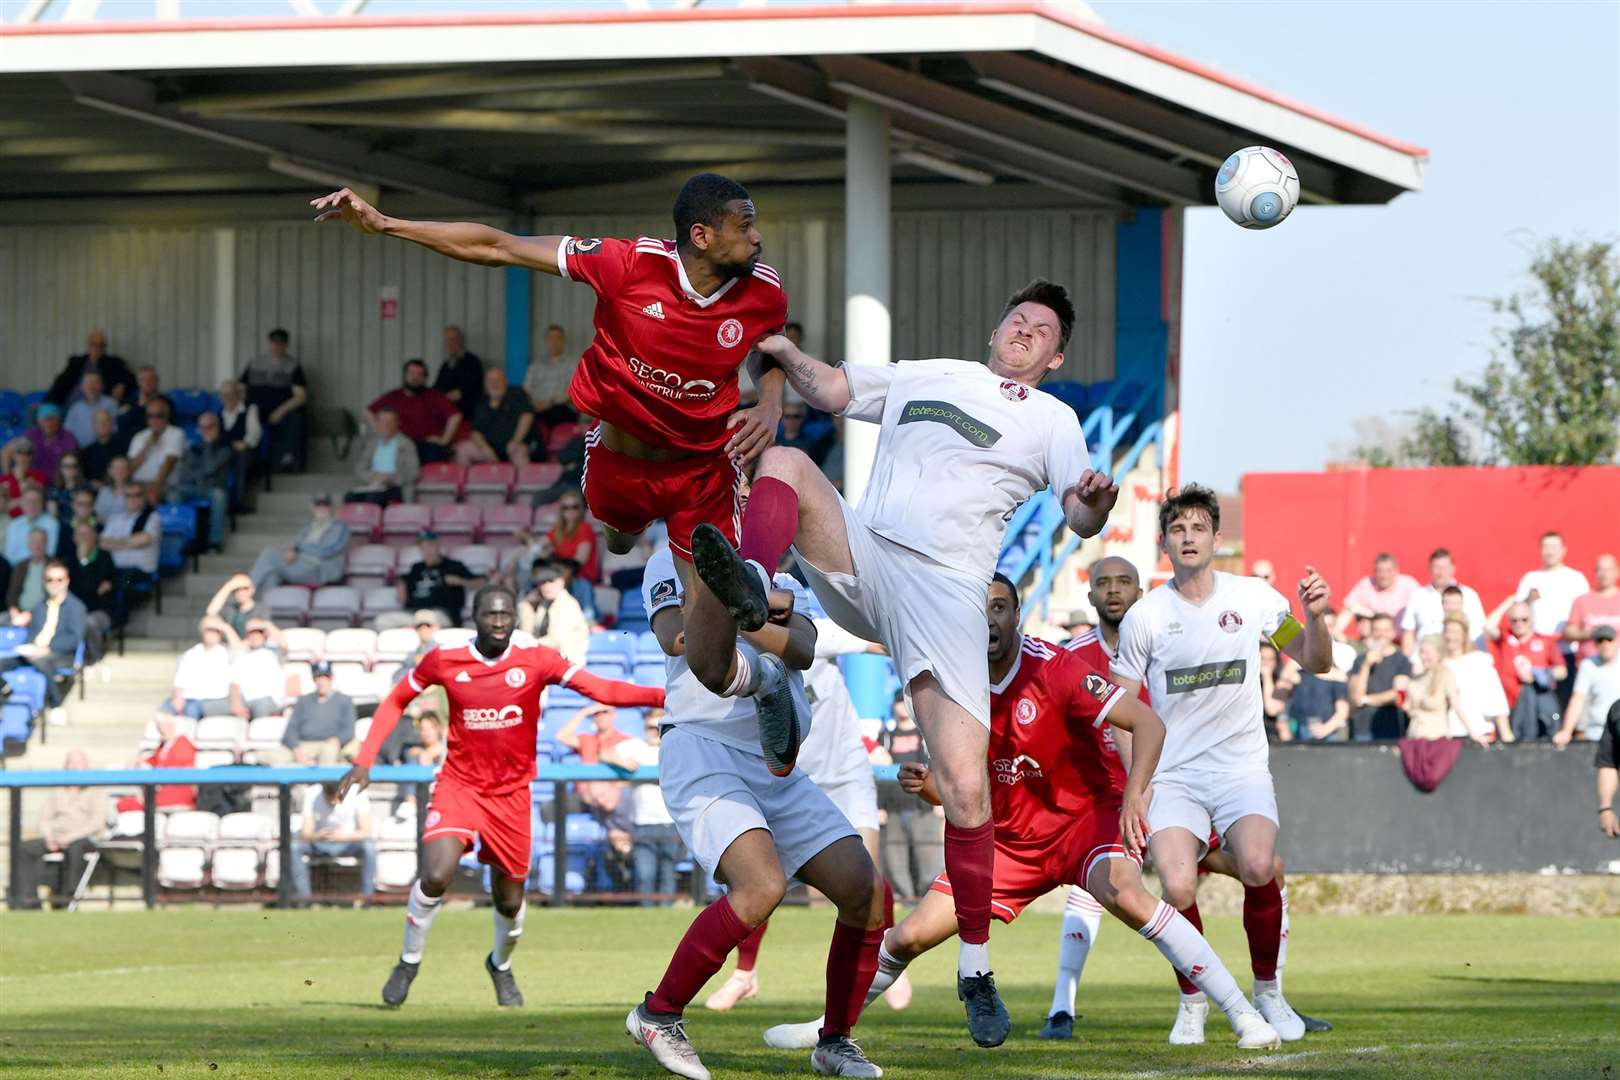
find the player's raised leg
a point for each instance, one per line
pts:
(844, 873)
(1082, 917)
(1252, 841)
(439, 858)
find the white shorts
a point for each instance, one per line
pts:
(716, 792)
(857, 800)
(1197, 801)
(929, 617)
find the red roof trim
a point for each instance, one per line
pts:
(933, 8)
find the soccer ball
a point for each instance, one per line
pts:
(1257, 187)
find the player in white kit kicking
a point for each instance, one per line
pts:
(1195, 643)
(962, 446)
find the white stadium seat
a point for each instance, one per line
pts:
(220, 733)
(213, 759)
(235, 868)
(288, 603)
(304, 643)
(396, 870)
(191, 827)
(352, 645)
(182, 867)
(397, 644)
(243, 828)
(265, 733)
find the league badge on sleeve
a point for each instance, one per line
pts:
(581, 246)
(663, 592)
(1098, 687)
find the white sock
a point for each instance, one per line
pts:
(1267, 986)
(1190, 954)
(507, 932)
(1082, 918)
(1282, 949)
(889, 969)
(972, 960)
(746, 680)
(420, 911)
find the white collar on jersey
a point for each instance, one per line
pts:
(472, 650)
(692, 294)
(1012, 672)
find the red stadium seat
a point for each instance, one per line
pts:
(363, 519)
(561, 435)
(288, 604)
(368, 565)
(506, 521)
(403, 521)
(479, 558)
(458, 523)
(334, 606)
(440, 483)
(538, 475)
(490, 484)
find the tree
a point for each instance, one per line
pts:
(1551, 393)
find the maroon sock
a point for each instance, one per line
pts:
(770, 522)
(888, 904)
(1190, 913)
(1262, 921)
(748, 951)
(851, 962)
(702, 952)
(970, 859)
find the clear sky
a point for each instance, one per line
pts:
(1343, 312)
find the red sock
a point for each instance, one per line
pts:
(1190, 913)
(702, 952)
(888, 905)
(970, 859)
(851, 962)
(770, 522)
(1262, 921)
(748, 951)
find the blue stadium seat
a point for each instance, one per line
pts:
(27, 688)
(573, 875)
(31, 400)
(633, 622)
(16, 722)
(179, 535)
(648, 673)
(647, 647)
(584, 831)
(10, 638)
(561, 697)
(11, 408)
(631, 722)
(192, 402)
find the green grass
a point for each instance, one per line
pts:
(247, 993)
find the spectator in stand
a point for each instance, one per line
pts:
(1378, 683)
(93, 578)
(115, 374)
(426, 623)
(132, 416)
(31, 514)
(517, 565)
(55, 632)
(1608, 767)
(546, 381)
(258, 686)
(1386, 591)
(335, 829)
(234, 603)
(655, 845)
(321, 730)
(174, 751)
(72, 816)
(239, 420)
(430, 749)
(1477, 680)
(205, 473)
(386, 465)
(552, 615)
(1316, 707)
(1600, 607)
(315, 557)
(797, 430)
(1597, 688)
(79, 419)
(913, 832)
(110, 496)
(96, 455)
(17, 460)
(603, 734)
(1272, 704)
(575, 538)
(67, 483)
(1263, 570)
(26, 589)
(426, 416)
(50, 440)
(82, 513)
(1425, 612)
(461, 373)
(202, 678)
(155, 452)
(1530, 666)
(502, 424)
(1432, 699)
(1552, 590)
(275, 384)
(134, 538)
(435, 582)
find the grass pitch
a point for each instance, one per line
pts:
(195, 992)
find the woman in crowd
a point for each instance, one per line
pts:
(575, 539)
(17, 472)
(110, 499)
(1477, 679)
(69, 479)
(1432, 698)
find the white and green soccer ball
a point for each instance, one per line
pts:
(1257, 187)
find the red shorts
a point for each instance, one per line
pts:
(628, 494)
(499, 824)
(1023, 876)
(1210, 848)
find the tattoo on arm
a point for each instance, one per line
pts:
(803, 372)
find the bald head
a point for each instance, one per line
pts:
(76, 759)
(1115, 586)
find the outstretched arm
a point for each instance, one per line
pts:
(1311, 645)
(463, 240)
(612, 691)
(821, 385)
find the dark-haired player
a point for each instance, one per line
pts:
(962, 445)
(1195, 643)
(482, 794)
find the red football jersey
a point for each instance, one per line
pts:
(1091, 648)
(662, 366)
(1049, 760)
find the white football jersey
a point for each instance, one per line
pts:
(834, 752)
(687, 702)
(1200, 664)
(960, 451)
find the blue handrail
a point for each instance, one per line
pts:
(264, 774)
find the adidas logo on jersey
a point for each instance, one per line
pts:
(462, 676)
(655, 309)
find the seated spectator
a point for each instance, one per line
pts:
(321, 730)
(575, 538)
(427, 623)
(335, 829)
(110, 496)
(55, 631)
(79, 419)
(134, 538)
(430, 749)
(801, 432)
(435, 582)
(517, 564)
(546, 381)
(93, 578)
(1386, 591)
(17, 461)
(1378, 682)
(1432, 698)
(81, 510)
(275, 384)
(202, 678)
(258, 687)
(1600, 607)
(461, 373)
(71, 818)
(1530, 666)
(1597, 688)
(1552, 589)
(1272, 704)
(132, 416)
(236, 605)
(1316, 707)
(204, 474)
(427, 417)
(502, 424)
(1477, 681)
(174, 751)
(32, 514)
(49, 438)
(603, 734)
(96, 455)
(25, 590)
(68, 482)
(114, 372)
(552, 616)
(386, 464)
(155, 452)
(913, 833)
(239, 420)
(315, 557)
(655, 846)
